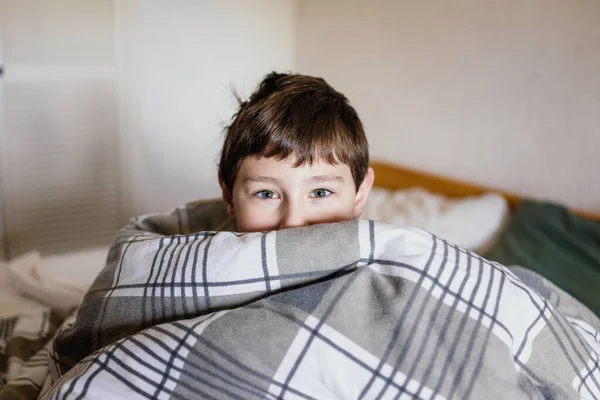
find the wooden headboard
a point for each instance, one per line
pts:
(397, 177)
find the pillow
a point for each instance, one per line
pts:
(474, 223)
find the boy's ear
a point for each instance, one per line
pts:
(363, 193)
(227, 198)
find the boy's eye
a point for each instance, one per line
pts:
(320, 193)
(266, 194)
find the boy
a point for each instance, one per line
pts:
(295, 155)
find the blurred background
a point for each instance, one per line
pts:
(114, 108)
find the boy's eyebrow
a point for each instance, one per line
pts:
(324, 179)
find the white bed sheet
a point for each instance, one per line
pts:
(13, 302)
(30, 282)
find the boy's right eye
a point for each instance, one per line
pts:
(266, 194)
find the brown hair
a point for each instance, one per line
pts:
(295, 115)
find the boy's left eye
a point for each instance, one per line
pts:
(320, 193)
(266, 195)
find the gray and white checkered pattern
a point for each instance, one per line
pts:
(355, 310)
(24, 347)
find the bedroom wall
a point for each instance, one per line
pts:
(180, 61)
(503, 93)
(166, 70)
(3, 233)
(59, 169)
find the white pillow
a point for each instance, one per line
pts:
(474, 223)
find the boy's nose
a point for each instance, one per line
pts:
(292, 218)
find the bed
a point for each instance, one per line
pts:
(123, 319)
(561, 244)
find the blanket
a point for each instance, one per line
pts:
(24, 347)
(351, 310)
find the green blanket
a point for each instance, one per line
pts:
(556, 244)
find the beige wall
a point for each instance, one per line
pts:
(59, 168)
(504, 93)
(180, 61)
(135, 95)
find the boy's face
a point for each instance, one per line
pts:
(269, 194)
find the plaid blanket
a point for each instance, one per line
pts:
(24, 346)
(354, 310)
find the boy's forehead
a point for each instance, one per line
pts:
(253, 165)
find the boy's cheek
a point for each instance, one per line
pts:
(253, 220)
(265, 216)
